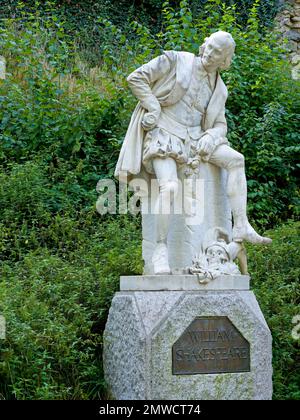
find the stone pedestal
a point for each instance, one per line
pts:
(187, 341)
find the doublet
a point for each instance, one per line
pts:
(179, 126)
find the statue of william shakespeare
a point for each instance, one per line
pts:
(179, 123)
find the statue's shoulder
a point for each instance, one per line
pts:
(173, 56)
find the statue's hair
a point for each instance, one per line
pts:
(230, 44)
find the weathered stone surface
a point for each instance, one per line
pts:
(288, 24)
(125, 356)
(296, 59)
(293, 36)
(296, 72)
(285, 21)
(143, 326)
(182, 282)
(296, 25)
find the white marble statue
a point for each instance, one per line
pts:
(180, 121)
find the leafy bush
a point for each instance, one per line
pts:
(275, 273)
(44, 107)
(56, 307)
(81, 15)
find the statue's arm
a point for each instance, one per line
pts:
(219, 130)
(141, 80)
(213, 136)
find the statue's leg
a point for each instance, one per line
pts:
(166, 174)
(233, 161)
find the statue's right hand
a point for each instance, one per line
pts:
(149, 121)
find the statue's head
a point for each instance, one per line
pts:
(217, 51)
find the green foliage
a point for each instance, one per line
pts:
(275, 272)
(60, 261)
(262, 115)
(56, 304)
(53, 106)
(81, 17)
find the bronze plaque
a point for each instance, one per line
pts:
(210, 345)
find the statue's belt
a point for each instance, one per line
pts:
(177, 129)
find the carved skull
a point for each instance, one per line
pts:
(216, 254)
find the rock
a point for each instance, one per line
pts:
(293, 36)
(292, 46)
(295, 59)
(282, 29)
(286, 22)
(296, 72)
(295, 19)
(296, 25)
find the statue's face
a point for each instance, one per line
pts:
(216, 255)
(215, 53)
